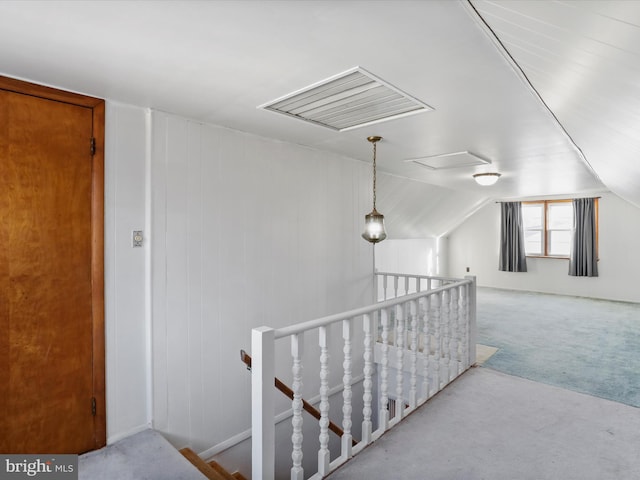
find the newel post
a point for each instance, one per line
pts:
(471, 309)
(262, 403)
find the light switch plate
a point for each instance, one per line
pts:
(137, 238)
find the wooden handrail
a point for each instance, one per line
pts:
(246, 359)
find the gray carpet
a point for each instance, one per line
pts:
(143, 456)
(490, 426)
(586, 345)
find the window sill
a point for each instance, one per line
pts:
(556, 258)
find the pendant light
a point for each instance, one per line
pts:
(374, 221)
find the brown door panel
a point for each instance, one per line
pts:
(50, 316)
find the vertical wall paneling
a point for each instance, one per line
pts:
(211, 368)
(158, 173)
(247, 232)
(148, 271)
(416, 256)
(125, 271)
(233, 270)
(177, 321)
(193, 232)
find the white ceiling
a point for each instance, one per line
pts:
(218, 60)
(583, 58)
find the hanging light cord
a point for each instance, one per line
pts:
(374, 175)
(374, 140)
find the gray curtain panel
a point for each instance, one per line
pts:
(583, 261)
(512, 255)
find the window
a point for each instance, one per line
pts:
(547, 228)
(533, 220)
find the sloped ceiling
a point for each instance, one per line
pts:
(583, 58)
(551, 104)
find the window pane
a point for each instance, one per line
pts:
(532, 216)
(560, 216)
(560, 242)
(533, 242)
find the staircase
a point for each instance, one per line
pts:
(212, 470)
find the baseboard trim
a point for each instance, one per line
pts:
(111, 439)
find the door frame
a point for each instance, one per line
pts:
(97, 106)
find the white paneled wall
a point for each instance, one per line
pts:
(246, 231)
(126, 332)
(476, 243)
(424, 256)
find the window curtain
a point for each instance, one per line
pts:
(512, 255)
(583, 261)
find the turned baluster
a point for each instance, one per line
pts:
(437, 354)
(426, 345)
(400, 324)
(446, 323)
(347, 332)
(413, 309)
(464, 329)
(367, 326)
(384, 371)
(324, 454)
(384, 286)
(455, 334)
(297, 342)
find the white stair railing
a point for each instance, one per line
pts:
(429, 333)
(392, 285)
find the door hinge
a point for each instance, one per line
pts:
(93, 146)
(93, 406)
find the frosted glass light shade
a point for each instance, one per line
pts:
(374, 227)
(486, 179)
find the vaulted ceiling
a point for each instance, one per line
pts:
(547, 92)
(583, 59)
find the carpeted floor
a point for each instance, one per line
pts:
(490, 426)
(585, 345)
(143, 456)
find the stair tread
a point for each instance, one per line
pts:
(220, 469)
(201, 465)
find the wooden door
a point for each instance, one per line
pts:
(51, 270)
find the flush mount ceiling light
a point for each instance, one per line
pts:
(374, 221)
(486, 179)
(351, 99)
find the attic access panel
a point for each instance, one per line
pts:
(450, 160)
(349, 100)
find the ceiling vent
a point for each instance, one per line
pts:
(450, 160)
(351, 99)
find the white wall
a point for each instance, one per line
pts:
(246, 231)
(240, 231)
(475, 244)
(424, 256)
(125, 267)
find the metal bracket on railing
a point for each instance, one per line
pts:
(246, 359)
